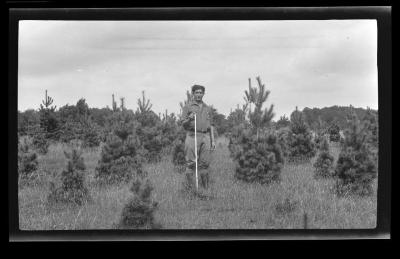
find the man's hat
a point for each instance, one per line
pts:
(196, 87)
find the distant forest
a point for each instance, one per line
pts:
(334, 114)
(313, 116)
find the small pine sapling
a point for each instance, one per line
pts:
(320, 132)
(91, 135)
(40, 141)
(334, 133)
(282, 135)
(355, 169)
(370, 121)
(234, 138)
(27, 160)
(283, 122)
(114, 104)
(150, 130)
(238, 125)
(119, 157)
(323, 166)
(48, 120)
(178, 152)
(73, 189)
(138, 212)
(169, 130)
(300, 143)
(259, 158)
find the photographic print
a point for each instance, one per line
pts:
(197, 124)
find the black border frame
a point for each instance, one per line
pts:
(381, 13)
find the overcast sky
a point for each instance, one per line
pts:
(302, 63)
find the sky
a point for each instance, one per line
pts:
(316, 63)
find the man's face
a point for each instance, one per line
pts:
(198, 95)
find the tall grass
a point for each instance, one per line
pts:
(235, 204)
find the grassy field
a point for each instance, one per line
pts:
(236, 205)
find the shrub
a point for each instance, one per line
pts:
(255, 149)
(259, 160)
(150, 131)
(286, 207)
(170, 130)
(355, 171)
(27, 120)
(355, 168)
(319, 139)
(324, 164)
(301, 146)
(91, 135)
(282, 135)
(73, 189)
(178, 152)
(48, 119)
(151, 139)
(334, 133)
(118, 159)
(70, 130)
(40, 141)
(283, 122)
(371, 123)
(234, 138)
(138, 213)
(27, 160)
(77, 123)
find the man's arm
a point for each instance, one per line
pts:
(187, 117)
(212, 137)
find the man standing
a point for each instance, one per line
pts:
(205, 139)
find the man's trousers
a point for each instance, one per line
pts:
(203, 160)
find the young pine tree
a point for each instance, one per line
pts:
(355, 169)
(169, 130)
(40, 141)
(371, 122)
(283, 135)
(323, 166)
(259, 158)
(320, 132)
(48, 120)
(138, 212)
(73, 189)
(49, 126)
(27, 160)
(334, 132)
(91, 135)
(122, 153)
(283, 122)
(150, 130)
(237, 124)
(301, 146)
(178, 152)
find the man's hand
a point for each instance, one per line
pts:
(213, 146)
(191, 116)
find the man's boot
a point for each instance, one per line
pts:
(189, 181)
(206, 181)
(203, 180)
